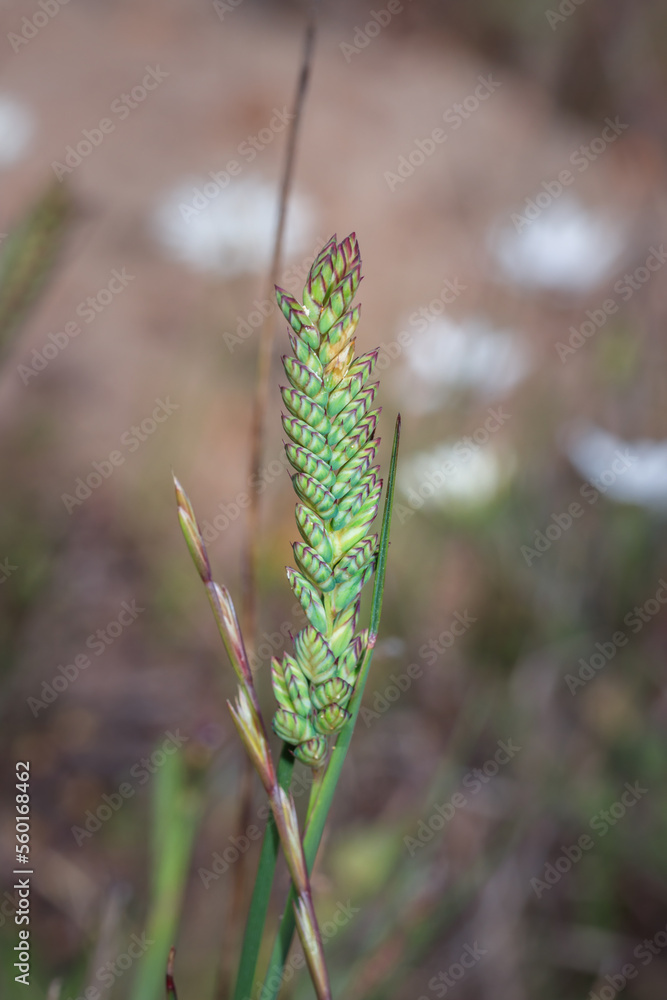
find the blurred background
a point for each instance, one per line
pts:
(499, 829)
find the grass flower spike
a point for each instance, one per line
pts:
(330, 424)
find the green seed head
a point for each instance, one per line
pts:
(330, 426)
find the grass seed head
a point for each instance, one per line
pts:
(330, 426)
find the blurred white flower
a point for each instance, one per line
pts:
(470, 355)
(17, 127)
(454, 474)
(626, 471)
(566, 248)
(229, 230)
(392, 645)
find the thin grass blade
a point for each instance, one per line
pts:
(29, 257)
(170, 984)
(177, 811)
(259, 903)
